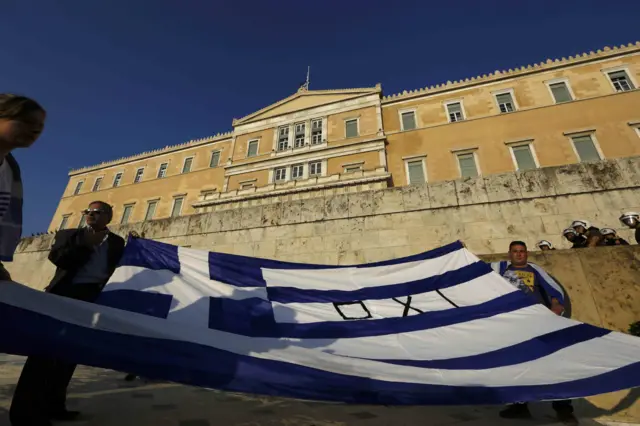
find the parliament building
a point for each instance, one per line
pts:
(576, 109)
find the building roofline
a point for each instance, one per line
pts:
(358, 90)
(498, 75)
(169, 148)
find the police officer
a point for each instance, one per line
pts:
(545, 245)
(577, 240)
(632, 220)
(611, 238)
(591, 234)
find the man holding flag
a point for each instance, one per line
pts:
(534, 281)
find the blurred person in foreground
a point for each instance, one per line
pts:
(21, 123)
(84, 258)
(538, 284)
(611, 238)
(632, 220)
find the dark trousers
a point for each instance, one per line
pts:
(562, 406)
(42, 387)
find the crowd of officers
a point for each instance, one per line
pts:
(581, 234)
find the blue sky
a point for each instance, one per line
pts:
(120, 77)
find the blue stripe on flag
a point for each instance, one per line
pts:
(26, 332)
(345, 329)
(141, 302)
(151, 255)
(248, 314)
(526, 351)
(436, 282)
(243, 271)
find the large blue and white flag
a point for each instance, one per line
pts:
(435, 328)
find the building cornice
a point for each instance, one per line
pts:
(498, 75)
(167, 149)
(293, 187)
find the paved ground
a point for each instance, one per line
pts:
(105, 399)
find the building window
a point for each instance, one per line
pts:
(83, 221)
(408, 120)
(315, 168)
(283, 138)
(78, 187)
(280, 174)
(252, 148)
(247, 185)
(96, 184)
(297, 171)
(162, 171)
(352, 168)
(467, 163)
(505, 102)
(65, 220)
(139, 174)
(151, 210)
(299, 136)
(186, 167)
(416, 172)
(621, 81)
(560, 92)
(585, 148)
(117, 179)
(316, 132)
(126, 214)
(351, 128)
(454, 111)
(523, 157)
(215, 159)
(177, 206)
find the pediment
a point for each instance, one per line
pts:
(305, 100)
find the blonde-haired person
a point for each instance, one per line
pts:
(21, 123)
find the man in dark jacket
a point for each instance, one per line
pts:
(85, 259)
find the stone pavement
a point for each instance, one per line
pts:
(105, 399)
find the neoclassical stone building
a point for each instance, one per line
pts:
(318, 142)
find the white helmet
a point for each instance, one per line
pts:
(630, 219)
(545, 243)
(607, 231)
(582, 223)
(569, 231)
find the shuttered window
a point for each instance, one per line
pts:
(151, 210)
(586, 148)
(351, 128)
(416, 172)
(560, 92)
(524, 157)
(215, 159)
(467, 165)
(252, 150)
(408, 120)
(126, 214)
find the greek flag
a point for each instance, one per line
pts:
(439, 327)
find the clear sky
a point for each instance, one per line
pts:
(123, 76)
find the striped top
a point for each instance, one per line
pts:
(10, 208)
(6, 180)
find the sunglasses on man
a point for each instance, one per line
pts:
(88, 212)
